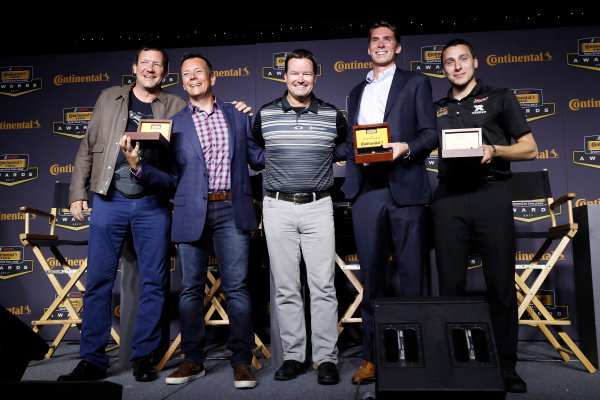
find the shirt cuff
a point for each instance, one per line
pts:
(138, 173)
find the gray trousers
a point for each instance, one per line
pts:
(296, 231)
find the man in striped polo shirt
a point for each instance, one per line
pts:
(302, 137)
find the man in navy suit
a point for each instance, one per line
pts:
(212, 146)
(389, 198)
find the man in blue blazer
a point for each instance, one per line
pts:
(389, 198)
(212, 146)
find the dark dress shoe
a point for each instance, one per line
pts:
(143, 369)
(289, 370)
(513, 383)
(328, 374)
(84, 371)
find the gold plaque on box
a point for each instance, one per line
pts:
(369, 141)
(152, 130)
(464, 142)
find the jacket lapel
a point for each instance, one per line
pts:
(393, 95)
(189, 130)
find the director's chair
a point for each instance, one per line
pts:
(72, 304)
(215, 315)
(534, 188)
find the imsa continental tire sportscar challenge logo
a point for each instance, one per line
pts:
(588, 54)
(590, 156)
(532, 104)
(531, 210)
(15, 81)
(74, 122)
(15, 169)
(66, 220)
(430, 62)
(276, 72)
(12, 263)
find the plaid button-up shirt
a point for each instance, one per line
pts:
(214, 137)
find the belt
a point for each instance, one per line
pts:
(298, 198)
(220, 195)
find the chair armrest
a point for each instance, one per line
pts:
(30, 210)
(561, 200)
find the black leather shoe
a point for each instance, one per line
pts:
(143, 369)
(328, 374)
(84, 371)
(513, 382)
(289, 370)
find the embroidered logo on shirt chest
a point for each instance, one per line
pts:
(478, 109)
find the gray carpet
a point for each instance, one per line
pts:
(547, 376)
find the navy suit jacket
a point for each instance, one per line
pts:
(410, 113)
(190, 175)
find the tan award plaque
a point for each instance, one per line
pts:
(464, 142)
(369, 141)
(152, 130)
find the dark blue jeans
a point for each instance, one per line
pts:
(112, 216)
(231, 247)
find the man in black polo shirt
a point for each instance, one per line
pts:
(471, 204)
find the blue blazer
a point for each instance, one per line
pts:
(410, 113)
(190, 176)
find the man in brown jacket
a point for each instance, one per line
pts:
(131, 193)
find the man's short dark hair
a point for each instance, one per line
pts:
(301, 53)
(187, 56)
(458, 42)
(151, 48)
(385, 24)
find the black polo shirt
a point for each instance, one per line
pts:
(496, 111)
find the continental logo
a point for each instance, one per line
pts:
(493, 59)
(19, 310)
(72, 262)
(341, 66)
(18, 80)
(12, 263)
(590, 156)
(57, 169)
(532, 104)
(60, 80)
(18, 216)
(583, 202)
(588, 54)
(531, 210)
(276, 71)
(171, 79)
(66, 220)
(431, 163)
(17, 126)
(430, 62)
(232, 73)
(15, 169)
(547, 154)
(74, 122)
(525, 257)
(576, 104)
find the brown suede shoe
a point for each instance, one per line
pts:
(243, 378)
(187, 371)
(365, 374)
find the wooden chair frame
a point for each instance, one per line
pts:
(348, 316)
(51, 240)
(530, 277)
(214, 297)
